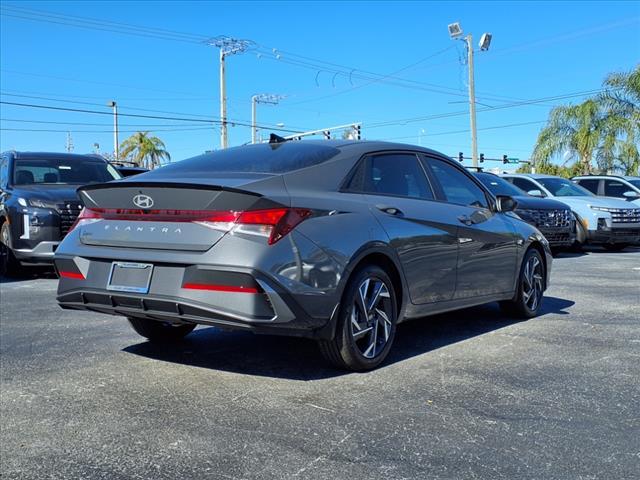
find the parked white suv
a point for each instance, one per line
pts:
(624, 188)
(612, 222)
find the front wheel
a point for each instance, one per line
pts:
(8, 264)
(366, 323)
(528, 298)
(160, 332)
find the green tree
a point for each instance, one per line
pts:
(621, 104)
(575, 129)
(144, 150)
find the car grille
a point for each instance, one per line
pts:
(547, 218)
(558, 238)
(625, 215)
(68, 211)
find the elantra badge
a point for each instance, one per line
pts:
(143, 201)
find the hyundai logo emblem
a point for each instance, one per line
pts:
(143, 201)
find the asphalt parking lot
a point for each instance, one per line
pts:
(465, 395)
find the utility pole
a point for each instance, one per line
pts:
(228, 46)
(455, 32)
(472, 101)
(255, 100)
(69, 143)
(116, 148)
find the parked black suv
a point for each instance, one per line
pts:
(38, 201)
(554, 219)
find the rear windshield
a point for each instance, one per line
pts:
(499, 186)
(270, 159)
(28, 171)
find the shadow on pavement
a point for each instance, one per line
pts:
(30, 273)
(299, 359)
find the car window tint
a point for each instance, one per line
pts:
(614, 188)
(524, 184)
(457, 187)
(590, 184)
(396, 174)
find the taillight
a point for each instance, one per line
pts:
(273, 223)
(87, 215)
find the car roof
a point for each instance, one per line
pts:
(624, 177)
(352, 147)
(530, 175)
(69, 157)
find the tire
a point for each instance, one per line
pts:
(615, 247)
(160, 332)
(366, 322)
(581, 238)
(528, 298)
(9, 265)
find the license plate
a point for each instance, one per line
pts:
(130, 277)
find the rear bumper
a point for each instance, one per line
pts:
(42, 253)
(272, 309)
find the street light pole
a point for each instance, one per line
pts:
(254, 128)
(114, 106)
(472, 102)
(228, 46)
(455, 32)
(255, 100)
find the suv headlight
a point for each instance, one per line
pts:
(36, 202)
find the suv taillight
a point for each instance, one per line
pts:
(273, 223)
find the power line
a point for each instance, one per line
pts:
(485, 109)
(86, 124)
(103, 131)
(78, 110)
(206, 117)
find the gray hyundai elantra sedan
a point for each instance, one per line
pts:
(335, 240)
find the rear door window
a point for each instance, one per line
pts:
(524, 184)
(590, 184)
(396, 174)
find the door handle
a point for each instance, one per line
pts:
(390, 210)
(465, 219)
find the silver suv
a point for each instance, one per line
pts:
(625, 188)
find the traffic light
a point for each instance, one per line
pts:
(482, 158)
(327, 135)
(505, 159)
(460, 156)
(357, 131)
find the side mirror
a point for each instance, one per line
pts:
(536, 193)
(506, 203)
(631, 195)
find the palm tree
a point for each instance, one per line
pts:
(144, 150)
(621, 102)
(576, 129)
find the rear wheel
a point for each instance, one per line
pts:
(615, 247)
(527, 302)
(8, 263)
(160, 332)
(366, 323)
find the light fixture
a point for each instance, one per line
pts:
(455, 30)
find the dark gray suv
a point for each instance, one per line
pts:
(38, 202)
(334, 240)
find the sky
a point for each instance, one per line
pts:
(389, 65)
